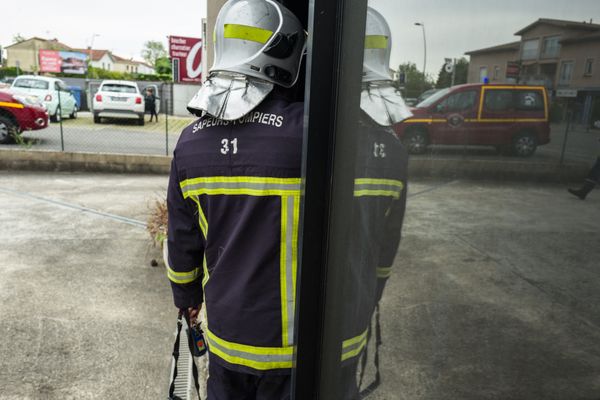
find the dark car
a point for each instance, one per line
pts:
(508, 117)
(18, 114)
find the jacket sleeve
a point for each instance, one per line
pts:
(392, 231)
(185, 246)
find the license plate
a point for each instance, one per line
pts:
(118, 98)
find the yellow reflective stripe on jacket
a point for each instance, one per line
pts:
(352, 347)
(378, 187)
(384, 272)
(260, 358)
(183, 277)
(290, 214)
(11, 105)
(201, 217)
(240, 185)
(376, 42)
(246, 32)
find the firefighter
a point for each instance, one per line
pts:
(379, 200)
(234, 201)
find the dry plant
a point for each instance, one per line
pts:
(157, 221)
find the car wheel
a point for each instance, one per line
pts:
(141, 121)
(73, 114)
(416, 141)
(57, 116)
(97, 118)
(524, 144)
(8, 130)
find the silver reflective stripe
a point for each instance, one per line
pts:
(371, 186)
(264, 358)
(241, 185)
(289, 269)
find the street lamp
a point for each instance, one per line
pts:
(422, 25)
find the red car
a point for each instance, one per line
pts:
(18, 114)
(510, 117)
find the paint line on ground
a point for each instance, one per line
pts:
(114, 217)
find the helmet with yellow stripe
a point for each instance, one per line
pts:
(261, 39)
(380, 99)
(258, 44)
(378, 48)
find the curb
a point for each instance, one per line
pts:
(41, 160)
(509, 169)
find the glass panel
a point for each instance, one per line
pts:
(465, 270)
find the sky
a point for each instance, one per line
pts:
(452, 27)
(123, 26)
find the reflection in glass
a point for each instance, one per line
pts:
(379, 200)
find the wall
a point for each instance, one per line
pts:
(182, 94)
(579, 52)
(490, 60)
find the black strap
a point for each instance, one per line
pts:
(175, 359)
(191, 347)
(375, 384)
(176, 356)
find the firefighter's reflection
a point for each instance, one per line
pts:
(379, 203)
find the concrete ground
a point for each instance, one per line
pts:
(495, 294)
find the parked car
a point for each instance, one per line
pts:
(20, 113)
(118, 99)
(48, 90)
(509, 117)
(426, 94)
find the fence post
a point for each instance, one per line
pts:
(564, 146)
(59, 117)
(166, 121)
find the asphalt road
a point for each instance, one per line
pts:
(495, 292)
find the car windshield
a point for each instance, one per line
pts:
(31, 84)
(118, 88)
(433, 98)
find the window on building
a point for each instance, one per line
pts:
(498, 100)
(530, 49)
(589, 65)
(496, 72)
(103, 66)
(127, 68)
(566, 72)
(551, 47)
(483, 73)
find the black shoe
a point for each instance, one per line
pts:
(583, 192)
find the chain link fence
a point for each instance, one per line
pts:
(80, 132)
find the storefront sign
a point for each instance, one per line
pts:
(186, 54)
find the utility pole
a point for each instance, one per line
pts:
(422, 25)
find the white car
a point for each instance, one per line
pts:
(47, 91)
(118, 99)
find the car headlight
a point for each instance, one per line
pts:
(29, 100)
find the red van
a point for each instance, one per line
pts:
(510, 117)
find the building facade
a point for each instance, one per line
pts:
(563, 56)
(24, 55)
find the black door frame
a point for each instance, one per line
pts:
(334, 71)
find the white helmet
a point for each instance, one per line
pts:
(378, 48)
(258, 44)
(380, 98)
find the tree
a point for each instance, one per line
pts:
(416, 83)
(163, 66)
(460, 76)
(153, 50)
(18, 38)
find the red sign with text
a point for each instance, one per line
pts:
(50, 61)
(186, 54)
